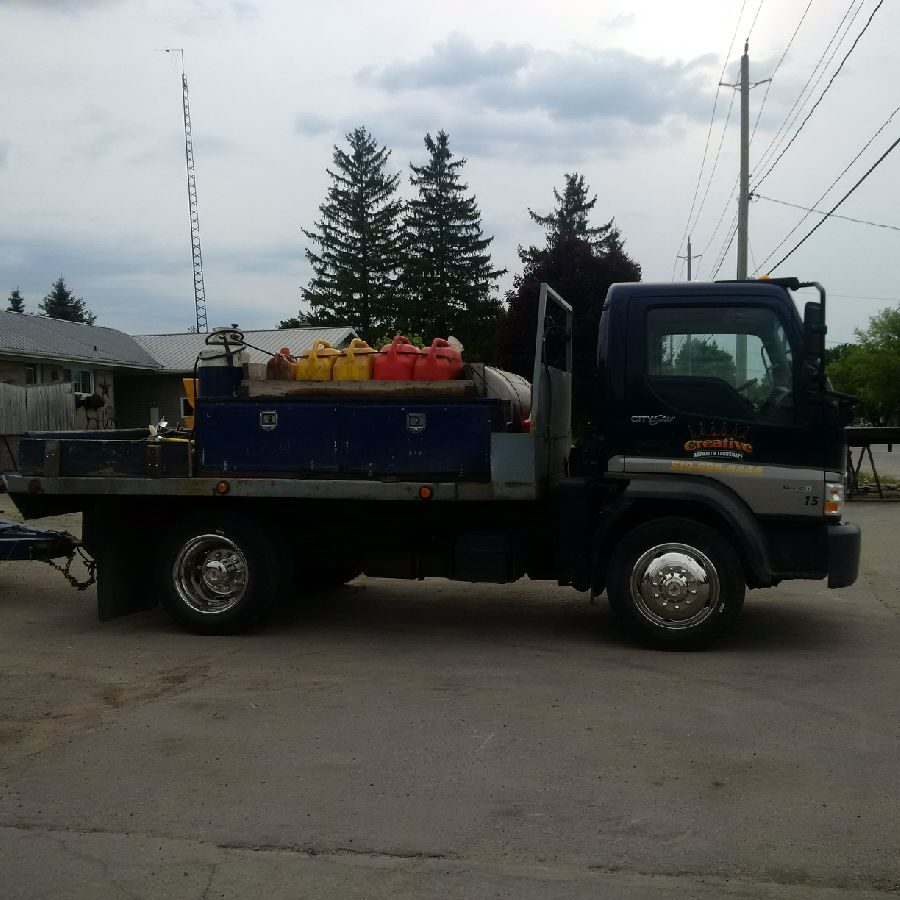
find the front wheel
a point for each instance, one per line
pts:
(220, 574)
(675, 584)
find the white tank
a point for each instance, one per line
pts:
(509, 386)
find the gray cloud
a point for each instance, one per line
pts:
(456, 61)
(69, 7)
(582, 84)
(529, 135)
(312, 125)
(142, 287)
(622, 20)
(201, 16)
(4, 154)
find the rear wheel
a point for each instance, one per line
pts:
(220, 574)
(675, 584)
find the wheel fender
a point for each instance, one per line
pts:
(671, 495)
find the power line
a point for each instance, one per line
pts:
(715, 164)
(822, 95)
(769, 82)
(725, 248)
(825, 218)
(862, 297)
(794, 112)
(777, 67)
(687, 224)
(822, 212)
(755, 17)
(715, 230)
(830, 187)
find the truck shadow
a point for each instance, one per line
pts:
(551, 617)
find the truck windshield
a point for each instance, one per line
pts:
(746, 348)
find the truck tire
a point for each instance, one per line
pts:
(675, 584)
(220, 573)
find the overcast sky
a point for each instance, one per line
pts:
(92, 179)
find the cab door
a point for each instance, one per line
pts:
(711, 391)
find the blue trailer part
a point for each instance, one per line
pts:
(23, 542)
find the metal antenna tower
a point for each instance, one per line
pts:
(196, 255)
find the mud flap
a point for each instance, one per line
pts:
(113, 534)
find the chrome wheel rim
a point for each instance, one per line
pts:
(210, 574)
(675, 586)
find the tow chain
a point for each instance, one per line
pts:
(89, 564)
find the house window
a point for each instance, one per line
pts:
(186, 408)
(82, 380)
(30, 374)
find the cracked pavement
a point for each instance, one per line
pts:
(396, 739)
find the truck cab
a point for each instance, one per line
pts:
(715, 417)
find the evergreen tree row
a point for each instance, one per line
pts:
(385, 266)
(423, 267)
(59, 303)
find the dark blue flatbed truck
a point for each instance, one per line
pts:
(715, 462)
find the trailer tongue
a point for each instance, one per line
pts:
(23, 542)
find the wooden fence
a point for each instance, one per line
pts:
(45, 407)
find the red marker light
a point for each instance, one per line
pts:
(223, 488)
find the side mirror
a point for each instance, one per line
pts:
(814, 330)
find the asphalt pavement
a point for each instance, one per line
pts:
(442, 740)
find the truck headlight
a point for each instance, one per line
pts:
(834, 498)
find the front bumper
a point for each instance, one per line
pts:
(843, 542)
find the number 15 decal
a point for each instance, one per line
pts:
(811, 500)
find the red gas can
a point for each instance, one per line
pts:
(396, 361)
(281, 367)
(441, 362)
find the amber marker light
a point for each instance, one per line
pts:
(223, 488)
(425, 492)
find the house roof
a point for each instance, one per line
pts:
(178, 352)
(23, 335)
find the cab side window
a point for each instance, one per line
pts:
(730, 362)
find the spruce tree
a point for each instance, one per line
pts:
(16, 302)
(579, 261)
(61, 303)
(570, 218)
(449, 280)
(358, 240)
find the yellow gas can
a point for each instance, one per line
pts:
(317, 363)
(355, 363)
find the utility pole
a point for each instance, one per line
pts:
(740, 355)
(744, 186)
(690, 257)
(744, 86)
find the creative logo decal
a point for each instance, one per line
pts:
(652, 420)
(721, 441)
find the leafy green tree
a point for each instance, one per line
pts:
(358, 239)
(61, 303)
(16, 302)
(700, 356)
(870, 369)
(449, 279)
(580, 262)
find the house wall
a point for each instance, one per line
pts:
(14, 371)
(138, 394)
